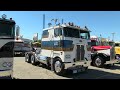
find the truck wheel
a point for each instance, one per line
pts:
(58, 66)
(33, 62)
(27, 59)
(98, 61)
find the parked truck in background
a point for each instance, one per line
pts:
(22, 46)
(117, 50)
(102, 52)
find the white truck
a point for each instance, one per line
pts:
(21, 47)
(65, 46)
(7, 35)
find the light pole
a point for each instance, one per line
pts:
(113, 36)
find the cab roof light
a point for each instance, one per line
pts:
(4, 16)
(10, 18)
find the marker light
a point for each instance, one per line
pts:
(10, 18)
(4, 16)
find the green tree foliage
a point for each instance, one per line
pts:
(36, 43)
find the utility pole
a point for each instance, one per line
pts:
(113, 36)
(100, 39)
(43, 21)
(62, 21)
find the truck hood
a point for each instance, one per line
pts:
(101, 47)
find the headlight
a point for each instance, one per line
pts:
(4, 16)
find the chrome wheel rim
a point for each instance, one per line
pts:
(27, 58)
(57, 66)
(98, 62)
(32, 59)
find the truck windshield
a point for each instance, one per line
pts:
(7, 30)
(111, 43)
(70, 32)
(84, 34)
(94, 43)
(18, 43)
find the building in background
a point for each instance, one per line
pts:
(35, 37)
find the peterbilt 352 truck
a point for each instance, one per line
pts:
(102, 53)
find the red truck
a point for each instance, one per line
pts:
(102, 53)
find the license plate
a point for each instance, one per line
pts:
(74, 71)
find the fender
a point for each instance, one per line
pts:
(102, 55)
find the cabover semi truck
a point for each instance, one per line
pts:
(7, 36)
(64, 46)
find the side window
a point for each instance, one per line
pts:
(45, 34)
(57, 32)
(82, 35)
(85, 35)
(116, 44)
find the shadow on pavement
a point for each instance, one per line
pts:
(18, 55)
(91, 74)
(112, 67)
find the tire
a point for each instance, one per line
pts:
(27, 58)
(98, 61)
(58, 66)
(33, 62)
(23, 54)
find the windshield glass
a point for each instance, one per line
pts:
(111, 43)
(70, 32)
(7, 29)
(84, 34)
(18, 43)
(94, 43)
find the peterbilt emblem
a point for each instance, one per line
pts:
(7, 64)
(80, 40)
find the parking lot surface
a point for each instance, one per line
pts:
(24, 70)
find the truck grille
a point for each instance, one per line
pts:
(80, 53)
(112, 53)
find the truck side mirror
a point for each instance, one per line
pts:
(17, 30)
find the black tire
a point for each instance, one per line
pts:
(58, 63)
(98, 61)
(23, 54)
(27, 58)
(33, 62)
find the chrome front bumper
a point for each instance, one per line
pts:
(6, 74)
(77, 64)
(112, 61)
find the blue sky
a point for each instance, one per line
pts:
(99, 22)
